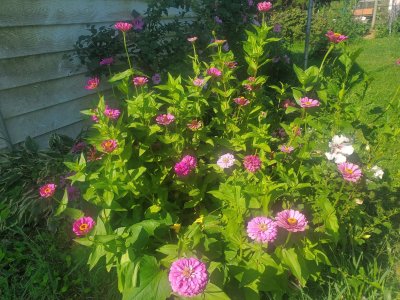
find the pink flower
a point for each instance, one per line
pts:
(308, 102)
(350, 172)
(231, 64)
(262, 229)
(195, 125)
(95, 118)
(123, 26)
(242, 101)
(107, 61)
(291, 220)
(191, 161)
(398, 62)
(188, 277)
(78, 147)
(264, 6)
(192, 39)
(335, 37)
(252, 163)
(214, 72)
(92, 83)
(156, 78)
(111, 113)
(83, 226)
(138, 23)
(226, 161)
(286, 149)
(249, 84)
(186, 165)
(109, 145)
(47, 190)
(198, 81)
(286, 103)
(140, 81)
(165, 119)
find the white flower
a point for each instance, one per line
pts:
(378, 172)
(340, 148)
(226, 161)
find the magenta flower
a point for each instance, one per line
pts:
(198, 82)
(192, 39)
(252, 163)
(112, 113)
(291, 220)
(308, 102)
(92, 83)
(335, 37)
(123, 26)
(47, 190)
(350, 172)
(241, 101)
(138, 23)
(140, 81)
(156, 78)
(165, 119)
(286, 149)
(109, 145)
(262, 229)
(264, 6)
(188, 277)
(249, 84)
(226, 161)
(191, 161)
(195, 125)
(83, 226)
(107, 61)
(214, 72)
(182, 169)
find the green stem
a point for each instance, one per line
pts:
(126, 50)
(339, 194)
(325, 57)
(288, 238)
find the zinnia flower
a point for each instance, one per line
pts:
(92, 83)
(192, 39)
(83, 226)
(156, 78)
(264, 6)
(286, 103)
(340, 148)
(378, 172)
(106, 61)
(252, 163)
(109, 145)
(308, 102)
(231, 64)
(165, 119)
(198, 81)
(226, 161)
(286, 149)
(262, 229)
(214, 72)
(191, 161)
(291, 220)
(335, 37)
(123, 26)
(140, 81)
(188, 277)
(78, 147)
(185, 166)
(249, 84)
(242, 101)
(47, 190)
(111, 113)
(195, 125)
(350, 172)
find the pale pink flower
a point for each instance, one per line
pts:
(188, 277)
(138, 23)
(156, 78)
(226, 161)
(262, 229)
(308, 102)
(340, 149)
(123, 26)
(378, 172)
(47, 190)
(286, 149)
(83, 226)
(231, 64)
(198, 82)
(241, 101)
(112, 113)
(165, 119)
(291, 220)
(252, 163)
(109, 145)
(350, 172)
(287, 102)
(192, 39)
(195, 125)
(264, 6)
(107, 61)
(335, 37)
(249, 84)
(214, 72)
(95, 118)
(92, 83)
(140, 81)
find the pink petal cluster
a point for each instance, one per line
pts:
(214, 72)
(226, 161)
(140, 81)
(165, 119)
(286, 149)
(242, 101)
(335, 37)
(83, 226)
(123, 26)
(308, 102)
(252, 163)
(262, 229)
(185, 166)
(249, 85)
(107, 61)
(192, 39)
(109, 145)
(291, 220)
(264, 6)
(112, 113)
(195, 125)
(286, 103)
(47, 190)
(188, 277)
(198, 81)
(350, 172)
(92, 83)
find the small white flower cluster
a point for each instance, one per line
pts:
(340, 149)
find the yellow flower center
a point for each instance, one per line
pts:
(348, 171)
(263, 227)
(47, 190)
(83, 227)
(292, 221)
(187, 272)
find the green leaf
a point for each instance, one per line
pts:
(63, 204)
(289, 258)
(95, 256)
(121, 75)
(301, 76)
(73, 213)
(212, 292)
